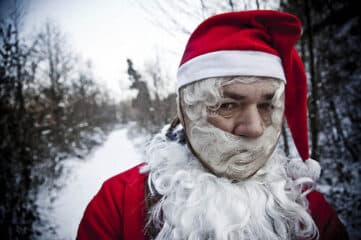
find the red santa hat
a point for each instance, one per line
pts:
(255, 43)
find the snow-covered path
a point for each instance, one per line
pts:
(64, 212)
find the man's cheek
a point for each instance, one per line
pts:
(225, 124)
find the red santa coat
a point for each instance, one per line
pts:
(118, 211)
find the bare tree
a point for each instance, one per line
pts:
(57, 65)
(41, 120)
(163, 106)
(182, 16)
(16, 71)
(151, 108)
(313, 104)
(330, 50)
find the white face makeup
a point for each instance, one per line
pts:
(241, 123)
(233, 125)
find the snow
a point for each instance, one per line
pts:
(63, 208)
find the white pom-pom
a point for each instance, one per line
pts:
(297, 168)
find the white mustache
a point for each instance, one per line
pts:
(234, 156)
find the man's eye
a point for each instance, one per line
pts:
(265, 106)
(225, 109)
(227, 106)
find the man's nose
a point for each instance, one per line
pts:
(249, 123)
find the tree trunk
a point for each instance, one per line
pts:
(313, 114)
(338, 125)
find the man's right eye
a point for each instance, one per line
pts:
(227, 106)
(225, 109)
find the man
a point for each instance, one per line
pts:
(218, 175)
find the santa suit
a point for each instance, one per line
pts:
(248, 43)
(118, 211)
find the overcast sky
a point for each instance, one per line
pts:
(107, 32)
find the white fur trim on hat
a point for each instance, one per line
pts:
(230, 63)
(297, 168)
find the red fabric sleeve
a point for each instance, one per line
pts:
(102, 218)
(118, 210)
(326, 219)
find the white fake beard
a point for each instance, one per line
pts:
(195, 204)
(231, 156)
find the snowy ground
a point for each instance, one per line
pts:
(64, 208)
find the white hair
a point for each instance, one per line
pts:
(195, 204)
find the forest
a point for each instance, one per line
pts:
(52, 107)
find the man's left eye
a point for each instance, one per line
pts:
(265, 106)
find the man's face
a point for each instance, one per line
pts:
(241, 130)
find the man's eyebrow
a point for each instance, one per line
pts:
(236, 96)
